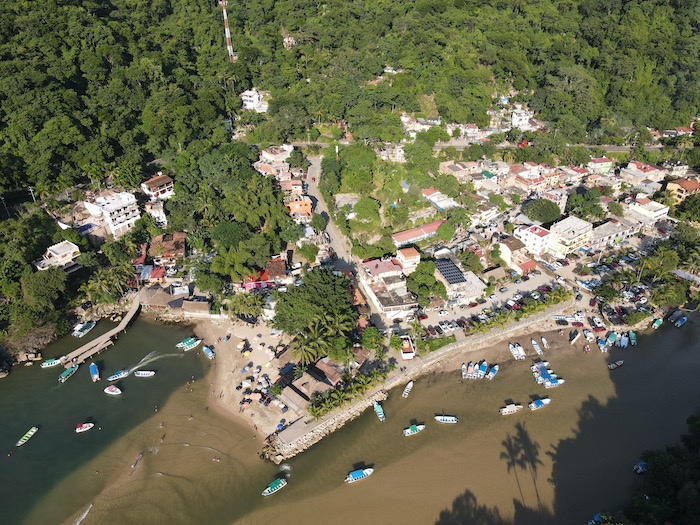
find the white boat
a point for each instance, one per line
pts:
(446, 419)
(470, 370)
(144, 373)
(94, 372)
(513, 351)
(624, 340)
(407, 390)
(464, 371)
(413, 429)
(27, 436)
(50, 363)
(539, 403)
(273, 487)
(536, 346)
(83, 427)
(521, 352)
(554, 382)
(208, 352)
(83, 328)
(492, 373)
(194, 343)
(118, 375)
(545, 343)
(510, 408)
(112, 390)
(357, 475)
(588, 335)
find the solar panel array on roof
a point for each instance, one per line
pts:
(449, 271)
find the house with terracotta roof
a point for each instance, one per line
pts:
(635, 172)
(160, 187)
(681, 189)
(408, 259)
(417, 234)
(166, 249)
(276, 269)
(515, 255)
(300, 208)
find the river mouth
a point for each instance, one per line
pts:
(561, 464)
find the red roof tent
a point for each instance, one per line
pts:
(157, 273)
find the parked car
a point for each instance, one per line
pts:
(517, 297)
(422, 316)
(439, 330)
(492, 296)
(525, 278)
(443, 313)
(431, 330)
(503, 289)
(592, 302)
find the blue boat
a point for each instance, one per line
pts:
(641, 467)
(539, 403)
(357, 475)
(681, 321)
(492, 373)
(94, 372)
(118, 375)
(675, 316)
(482, 369)
(379, 411)
(208, 352)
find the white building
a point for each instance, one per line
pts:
(276, 154)
(155, 209)
(159, 187)
(635, 172)
(570, 234)
(253, 101)
(558, 197)
(600, 165)
(520, 118)
(651, 210)
(535, 238)
(118, 211)
(613, 232)
(62, 255)
(408, 259)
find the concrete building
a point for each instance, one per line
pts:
(516, 256)
(156, 210)
(159, 187)
(118, 211)
(569, 235)
(649, 209)
(558, 197)
(462, 287)
(62, 256)
(409, 259)
(416, 234)
(613, 232)
(300, 208)
(166, 249)
(683, 188)
(438, 199)
(535, 238)
(600, 165)
(635, 172)
(253, 100)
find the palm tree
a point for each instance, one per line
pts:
(232, 262)
(337, 323)
(692, 262)
(685, 143)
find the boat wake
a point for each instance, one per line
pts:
(150, 358)
(83, 515)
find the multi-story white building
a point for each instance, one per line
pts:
(118, 211)
(253, 100)
(613, 232)
(535, 238)
(62, 255)
(600, 165)
(648, 208)
(570, 234)
(520, 118)
(159, 187)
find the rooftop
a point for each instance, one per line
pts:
(157, 182)
(449, 271)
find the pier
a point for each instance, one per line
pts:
(98, 344)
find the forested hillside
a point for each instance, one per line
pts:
(90, 87)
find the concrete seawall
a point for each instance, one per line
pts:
(305, 432)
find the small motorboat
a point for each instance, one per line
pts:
(27, 436)
(357, 475)
(144, 373)
(273, 487)
(208, 352)
(553, 383)
(50, 363)
(446, 419)
(379, 411)
(675, 316)
(633, 338)
(186, 341)
(681, 321)
(118, 375)
(510, 408)
(470, 370)
(413, 429)
(94, 372)
(602, 345)
(407, 390)
(641, 467)
(615, 364)
(67, 373)
(492, 373)
(112, 390)
(193, 343)
(83, 328)
(657, 323)
(573, 336)
(545, 343)
(482, 369)
(83, 427)
(464, 371)
(539, 403)
(536, 346)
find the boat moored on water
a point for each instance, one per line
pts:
(615, 364)
(27, 436)
(208, 352)
(446, 419)
(413, 429)
(112, 390)
(681, 321)
(359, 474)
(379, 411)
(573, 336)
(94, 372)
(675, 316)
(50, 363)
(193, 343)
(407, 390)
(186, 341)
(273, 487)
(464, 371)
(539, 403)
(510, 408)
(67, 373)
(612, 337)
(83, 427)
(657, 323)
(118, 375)
(82, 329)
(144, 373)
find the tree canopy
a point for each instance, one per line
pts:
(542, 210)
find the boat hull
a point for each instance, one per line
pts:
(50, 363)
(407, 390)
(112, 391)
(413, 430)
(275, 486)
(510, 409)
(119, 375)
(27, 436)
(359, 475)
(450, 420)
(83, 427)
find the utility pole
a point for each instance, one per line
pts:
(31, 191)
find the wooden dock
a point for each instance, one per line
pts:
(98, 344)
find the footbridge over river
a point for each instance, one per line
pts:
(98, 344)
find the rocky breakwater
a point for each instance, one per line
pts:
(303, 433)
